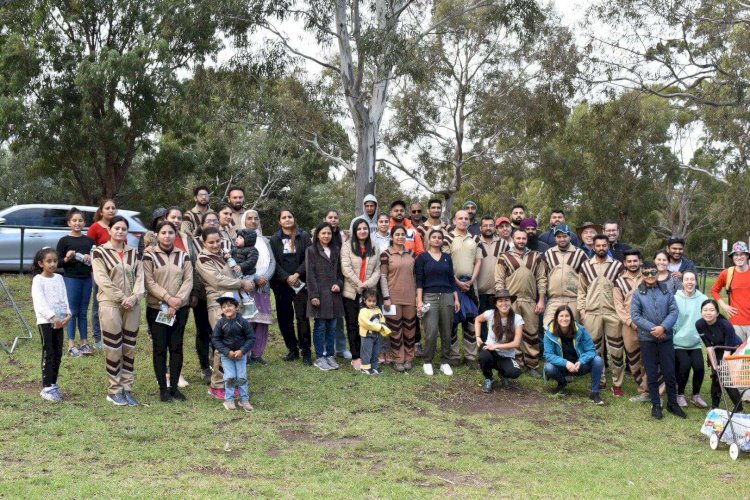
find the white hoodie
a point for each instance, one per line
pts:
(372, 221)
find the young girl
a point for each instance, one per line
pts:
(52, 315)
(371, 326)
(75, 250)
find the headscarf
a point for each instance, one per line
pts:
(264, 252)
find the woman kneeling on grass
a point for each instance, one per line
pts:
(569, 351)
(504, 331)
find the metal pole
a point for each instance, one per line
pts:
(20, 316)
(20, 264)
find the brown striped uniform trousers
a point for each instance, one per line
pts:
(525, 277)
(596, 305)
(625, 286)
(118, 278)
(563, 269)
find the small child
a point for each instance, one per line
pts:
(245, 255)
(52, 315)
(371, 323)
(233, 337)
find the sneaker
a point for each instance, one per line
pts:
(307, 359)
(399, 367)
(245, 405)
(346, 354)
(58, 393)
(206, 375)
(117, 399)
(656, 412)
(698, 401)
(50, 394)
(408, 365)
(217, 393)
(375, 371)
(229, 405)
(533, 373)
(641, 398)
(98, 345)
(506, 381)
(446, 369)
(676, 410)
(182, 383)
(73, 352)
(357, 364)
(364, 371)
(418, 353)
(427, 367)
(130, 399)
(165, 396)
(596, 398)
(332, 362)
(487, 386)
(617, 391)
(681, 401)
(561, 390)
(322, 363)
(85, 349)
(291, 356)
(176, 394)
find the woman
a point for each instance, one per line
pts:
(436, 288)
(687, 342)
(226, 229)
(118, 274)
(661, 258)
(399, 289)
(324, 305)
(99, 232)
(168, 275)
(382, 237)
(174, 215)
(360, 267)
(569, 351)
(198, 298)
(218, 279)
(289, 246)
(338, 239)
(504, 332)
(716, 331)
(264, 269)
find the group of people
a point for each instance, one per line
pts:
(555, 304)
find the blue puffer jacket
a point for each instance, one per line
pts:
(653, 306)
(553, 352)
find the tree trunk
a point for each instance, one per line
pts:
(364, 176)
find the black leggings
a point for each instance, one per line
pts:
(351, 313)
(685, 360)
(506, 367)
(165, 339)
(52, 342)
(202, 333)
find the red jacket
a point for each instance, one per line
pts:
(413, 239)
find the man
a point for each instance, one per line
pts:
(678, 264)
(549, 237)
(417, 219)
(616, 248)
(517, 214)
(236, 198)
(625, 286)
(193, 218)
(586, 233)
(736, 281)
(521, 271)
(466, 263)
(434, 221)
(596, 306)
(369, 213)
(471, 208)
(503, 229)
(530, 226)
(490, 247)
(654, 311)
(413, 240)
(563, 264)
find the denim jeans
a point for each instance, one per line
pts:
(235, 375)
(341, 340)
(324, 333)
(595, 367)
(96, 326)
(370, 351)
(79, 296)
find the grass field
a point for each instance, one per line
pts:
(339, 435)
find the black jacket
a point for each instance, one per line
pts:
(617, 250)
(322, 273)
(289, 263)
(720, 333)
(549, 238)
(233, 334)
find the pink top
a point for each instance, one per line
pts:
(98, 233)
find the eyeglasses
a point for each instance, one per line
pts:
(653, 272)
(416, 211)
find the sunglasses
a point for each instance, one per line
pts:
(650, 273)
(416, 211)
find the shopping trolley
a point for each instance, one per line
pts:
(728, 425)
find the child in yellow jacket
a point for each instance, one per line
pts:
(371, 323)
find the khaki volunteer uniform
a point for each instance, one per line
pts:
(625, 286)
(562, 280)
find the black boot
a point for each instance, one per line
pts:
(165, 395)
(176, 394)
(656, 412)
(675, 410)
(307, 359)
(291, 356)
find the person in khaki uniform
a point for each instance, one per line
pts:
(119, 276)
(596, 306)
(218, 279)
(563, 263)
(522, 272)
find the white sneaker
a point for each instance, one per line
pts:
(446, 369)
(182, 382)
(641, 398)
(427, 367)
(681, 401)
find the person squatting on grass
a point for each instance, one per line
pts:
(371, 326)
(119, 277)
(497, 350)
(233, 337)
(52, 315)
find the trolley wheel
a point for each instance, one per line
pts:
(713, 441)
(734, 451)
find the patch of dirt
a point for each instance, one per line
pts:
(219, 471)
(273, 452)
(11, 385)
(513, 401)
(445, 477)
(295, 435)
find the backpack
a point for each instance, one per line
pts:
(728, 286)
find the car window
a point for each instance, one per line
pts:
(25, 217)
(55, 217)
